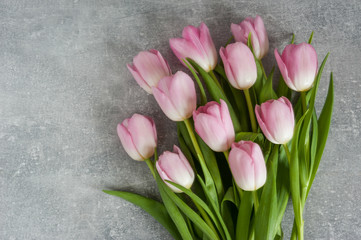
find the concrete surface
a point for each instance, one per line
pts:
(64, 87)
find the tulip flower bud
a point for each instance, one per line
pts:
(247, 165)
(196, 44)
(276, 119)
(174, 167)
(176, 96)
(148, 68)
(138, 136)
(214, 125)
(298, 66)
(239, 64)
(259, 37)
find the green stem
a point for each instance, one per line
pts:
(229, 41)
(303, 99)
(205, 217)
(287, 153)
(194, 139)
(201, 88)
(150, 165)
(263, 71)
(294, 231)
(226, 154)
(300, 230)
(155, 154)
(300, 227)
(250, 110)
(256, 201)
(196, 147)
(215, 79)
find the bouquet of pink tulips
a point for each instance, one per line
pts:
(244, 149)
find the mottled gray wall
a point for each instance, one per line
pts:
(64, 87)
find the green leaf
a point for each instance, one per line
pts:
(304, 142)
(317, 82)
(311, 37)
(216, 93)
(200, 85)
(324, 123)
(294, 173)
(211, 188)
(154, 208)
(249, 42)
(239, 100)
(266, 216)
(195, 218)
(244, 216)
(260, 78)
(267, 91)
(298, 106)
(181, 127)
(222, 229)
(283, 89)
(226, 211)
(283, 188)
(212, 165)
(293, 38)
(229, 40)
(213, 205)
(314, 141)
(183, 146)
(173, 210)
(249, 136)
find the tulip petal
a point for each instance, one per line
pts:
(208, 128)
(227, 122)
(141, 130)
(138, 78)
(242, 64)
(149, 67)
(172, 168)
(242, 168)
(162, 61)
(184, 49)
(262, 124)
(283, 69)
(303, 70)
(227, 68)
(182, 93)
(208, 46)
(262, 35)
(260, 171)
(238, 33)
(185, 162)
(192, 34)
(127, 143)
(248, 26)
(278, 121)
(166, 105)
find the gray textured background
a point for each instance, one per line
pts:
(64, 87)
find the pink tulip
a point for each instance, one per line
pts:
(276, 119)
(298, 66)
(176, 96)
(239, 64)
(148, 68)
(174, 167)
(196, 44)
(214, 125)
(259, 37)
(138, 136)
(247, 165)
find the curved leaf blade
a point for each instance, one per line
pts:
(153, 207)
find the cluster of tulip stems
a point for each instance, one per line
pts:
(244, 149)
